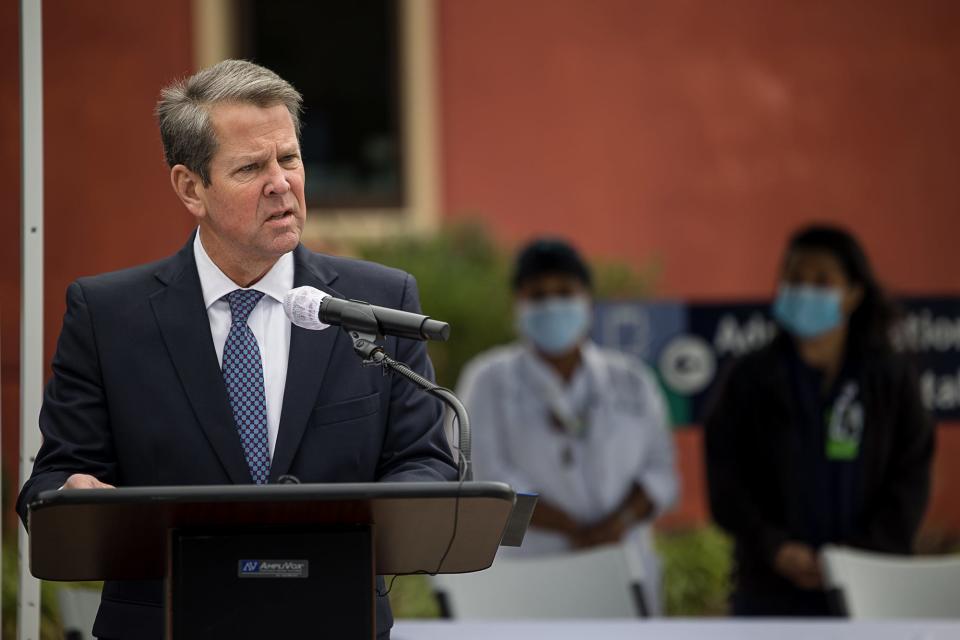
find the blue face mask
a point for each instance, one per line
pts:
(807, 311)
(554, 325)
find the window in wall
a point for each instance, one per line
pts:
(344, 57)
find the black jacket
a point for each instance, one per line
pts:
(753, 470)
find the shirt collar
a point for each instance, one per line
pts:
(215, 284)
(590, 364)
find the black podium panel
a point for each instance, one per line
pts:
(272, 584)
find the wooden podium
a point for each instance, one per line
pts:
(289, 560)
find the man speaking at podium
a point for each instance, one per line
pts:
(187, 371)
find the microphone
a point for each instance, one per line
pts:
(311, 308)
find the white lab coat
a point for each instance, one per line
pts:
(508, 393)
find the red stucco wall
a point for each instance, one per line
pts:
(108, 203)
(701, 133)
(9, 225)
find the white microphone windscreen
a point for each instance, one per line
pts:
(302, 306)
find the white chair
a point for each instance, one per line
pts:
(596, 583)
(876, 585)
(78, 610)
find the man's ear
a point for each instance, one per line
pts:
(189, 188)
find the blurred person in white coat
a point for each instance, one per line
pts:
(584, 427)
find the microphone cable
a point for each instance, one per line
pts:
(461, 469)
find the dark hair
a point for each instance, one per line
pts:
(549, 256)
(871, 321)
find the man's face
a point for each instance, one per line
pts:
(253, 210)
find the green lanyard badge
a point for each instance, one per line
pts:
(845, 425)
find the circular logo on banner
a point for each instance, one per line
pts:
(688, 365)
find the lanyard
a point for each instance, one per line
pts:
(845, 424)
(572, 425)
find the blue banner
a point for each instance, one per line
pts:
(688, 345)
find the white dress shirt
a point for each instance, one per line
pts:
(268, 322)
(618, 436)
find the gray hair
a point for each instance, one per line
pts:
(184, 108)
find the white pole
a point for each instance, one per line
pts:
(1, 462)
(31, 287)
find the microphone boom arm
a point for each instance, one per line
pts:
(373, 354)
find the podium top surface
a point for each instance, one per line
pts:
(95, 534)
(274, 492)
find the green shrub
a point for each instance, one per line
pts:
(462, 278)
(696, 571)
(412, 597)
(49, 612)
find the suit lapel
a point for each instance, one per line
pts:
(309, 359)
(185, 327)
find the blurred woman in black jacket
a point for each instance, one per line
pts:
(819, 437)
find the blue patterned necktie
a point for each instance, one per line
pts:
(243, 375)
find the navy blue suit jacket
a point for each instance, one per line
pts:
(137, 398)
